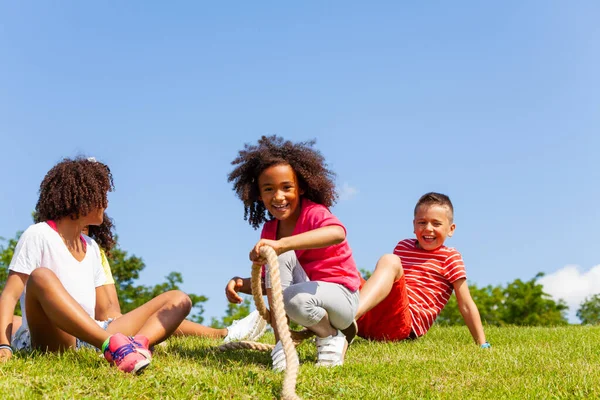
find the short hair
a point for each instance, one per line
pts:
(437, 199)
(72, 188)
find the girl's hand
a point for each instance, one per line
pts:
(255, 256)
(232, 289)
(5, 355)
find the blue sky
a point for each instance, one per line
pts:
(496, 105)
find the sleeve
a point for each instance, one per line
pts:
(454, 267)
(269, 230)
(319, 216)
(28, 253)
(106, 267)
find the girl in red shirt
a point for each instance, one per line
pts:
(288, 187)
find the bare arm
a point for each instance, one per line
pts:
(315, 239)
(15, 283)
(107, 302)
(469, 311)
(239, 285)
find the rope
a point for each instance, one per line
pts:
(288, 391)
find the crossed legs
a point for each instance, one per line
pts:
(55, 319)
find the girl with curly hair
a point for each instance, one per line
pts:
(288, 187)
(57, 273)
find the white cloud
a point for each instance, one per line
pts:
(347, 192)
(572, 285)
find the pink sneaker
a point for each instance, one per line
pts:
(142, 345)
(122, 352)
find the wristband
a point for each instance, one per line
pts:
(7, 347)
(486, 345)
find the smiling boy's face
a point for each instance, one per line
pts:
(432, 225)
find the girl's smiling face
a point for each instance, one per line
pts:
(280, 192)
(432, 225)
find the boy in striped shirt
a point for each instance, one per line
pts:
(409, 288)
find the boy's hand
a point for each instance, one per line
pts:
(255, 256)
(232, 289)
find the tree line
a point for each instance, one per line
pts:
(517, 303)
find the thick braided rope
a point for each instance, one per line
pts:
(291, 357)
(289, 349)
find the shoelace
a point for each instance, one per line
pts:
(121, 352)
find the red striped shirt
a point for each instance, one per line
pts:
(429, 279)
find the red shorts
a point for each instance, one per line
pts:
(389, 320)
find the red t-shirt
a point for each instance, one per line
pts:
(334, 263)
(429, 279)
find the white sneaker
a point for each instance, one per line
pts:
(278, 357)
(331, 350)
(250, 327)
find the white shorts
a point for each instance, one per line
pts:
(22, 338)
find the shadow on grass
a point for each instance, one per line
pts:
(208, 353)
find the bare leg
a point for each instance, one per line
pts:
(189, 328)
(323, 328)
(55, 319)
(378, 286)
(157, 319)
(13, 326)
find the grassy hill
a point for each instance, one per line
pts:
(524, 363)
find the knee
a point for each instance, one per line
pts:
(41, 277)
(180, 300)
(297, 306)
(391, 262)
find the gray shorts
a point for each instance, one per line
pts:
(306, 302)
(22, 338)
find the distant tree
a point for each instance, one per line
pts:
(526, 303)
(366, 274)
(233, 312)
(519, 303)
(489, 301)
(589, 310)
(6, 254)
(126, 270)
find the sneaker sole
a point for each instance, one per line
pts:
(140, 367)
(145, 353)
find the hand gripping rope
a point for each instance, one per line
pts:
(288, 391)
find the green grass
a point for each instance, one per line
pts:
(524, 363)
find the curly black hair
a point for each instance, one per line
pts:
(314, 178)
(103, 234)
(72, 188)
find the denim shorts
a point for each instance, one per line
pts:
(22, 338)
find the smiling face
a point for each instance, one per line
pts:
(280, 192)
(432, 225)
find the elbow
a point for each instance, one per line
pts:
(339, 236)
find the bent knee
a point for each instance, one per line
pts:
(180, 300)
(392, 262)
(301, 307)
(41, 276)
